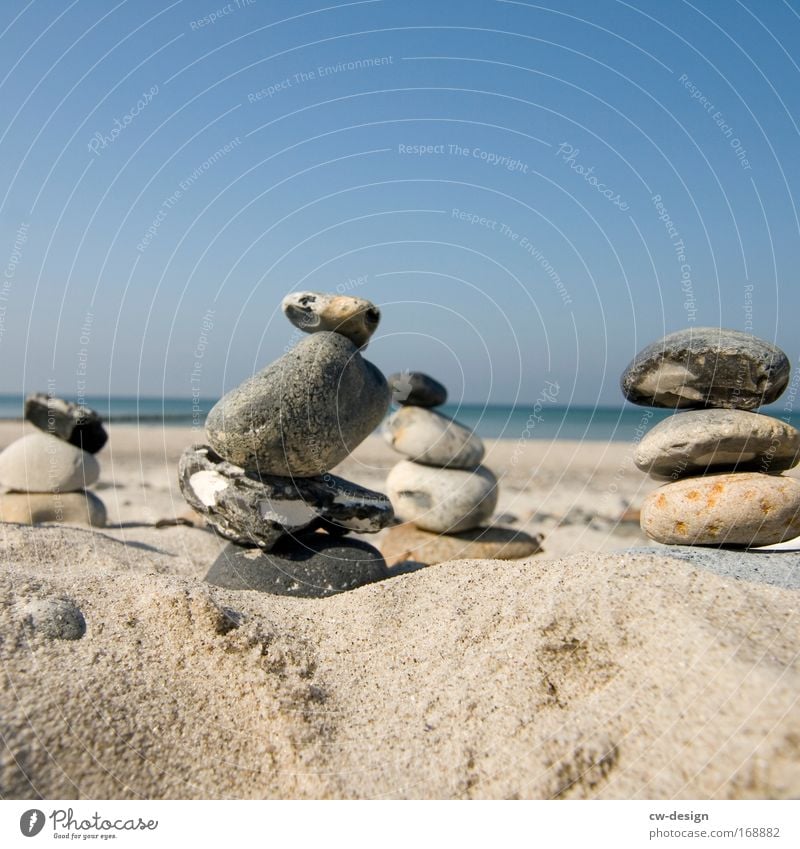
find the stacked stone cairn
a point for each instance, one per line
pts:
(263, 481)
(46, 473)
(442, 493)
(722, 459)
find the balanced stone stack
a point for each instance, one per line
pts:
(47, 472)
(263, 481)
(723, 459)
(442, 492)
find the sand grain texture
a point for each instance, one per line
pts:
(593, 676)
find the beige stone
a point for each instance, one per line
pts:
(743, 509)
(407, 542)
(355, 318)
(34, 508)
(692, 442)
(431, 438)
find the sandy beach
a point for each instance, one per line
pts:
(595, 669)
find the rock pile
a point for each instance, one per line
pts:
(723, 460)
(263, 482)
(46, 473)
(441, 491)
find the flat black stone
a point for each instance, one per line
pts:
(415, 389)
(707, 367)
(74, 423)
(312, 566)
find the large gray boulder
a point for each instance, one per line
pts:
(302, 414)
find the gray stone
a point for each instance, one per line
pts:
(760, 565)
(745, 509)
(707, 367)
(75, 423)
(701, 440)
(253, 509)
(415, 389)
(54, 618)
(355, 318)
(442, 500)
(312, 566)
(40, 462)
(304, 413)
(431, 438)
(36, 508)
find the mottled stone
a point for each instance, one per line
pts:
(407, 542)
(312, 566)
(415, 389)
(431, 438)
(40, 462)
(253, 509)
(355, 318)
(442, 500)
(74, 423)
(707, 367)
(304, 413)
(54, 618)
(699, 440)
(743, 509)
(35, 508)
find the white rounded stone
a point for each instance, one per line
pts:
(442, 500)
(41, 462)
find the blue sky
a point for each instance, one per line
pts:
(530, 192)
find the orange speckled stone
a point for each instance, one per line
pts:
(742, 509)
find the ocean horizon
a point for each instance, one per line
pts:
(624, 423)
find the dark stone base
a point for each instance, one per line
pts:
(312, 566)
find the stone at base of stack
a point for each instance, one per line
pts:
(264, 483)
(313, 565)
(46, 472)
(723, 461)
(408, 543)
(441, 491)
